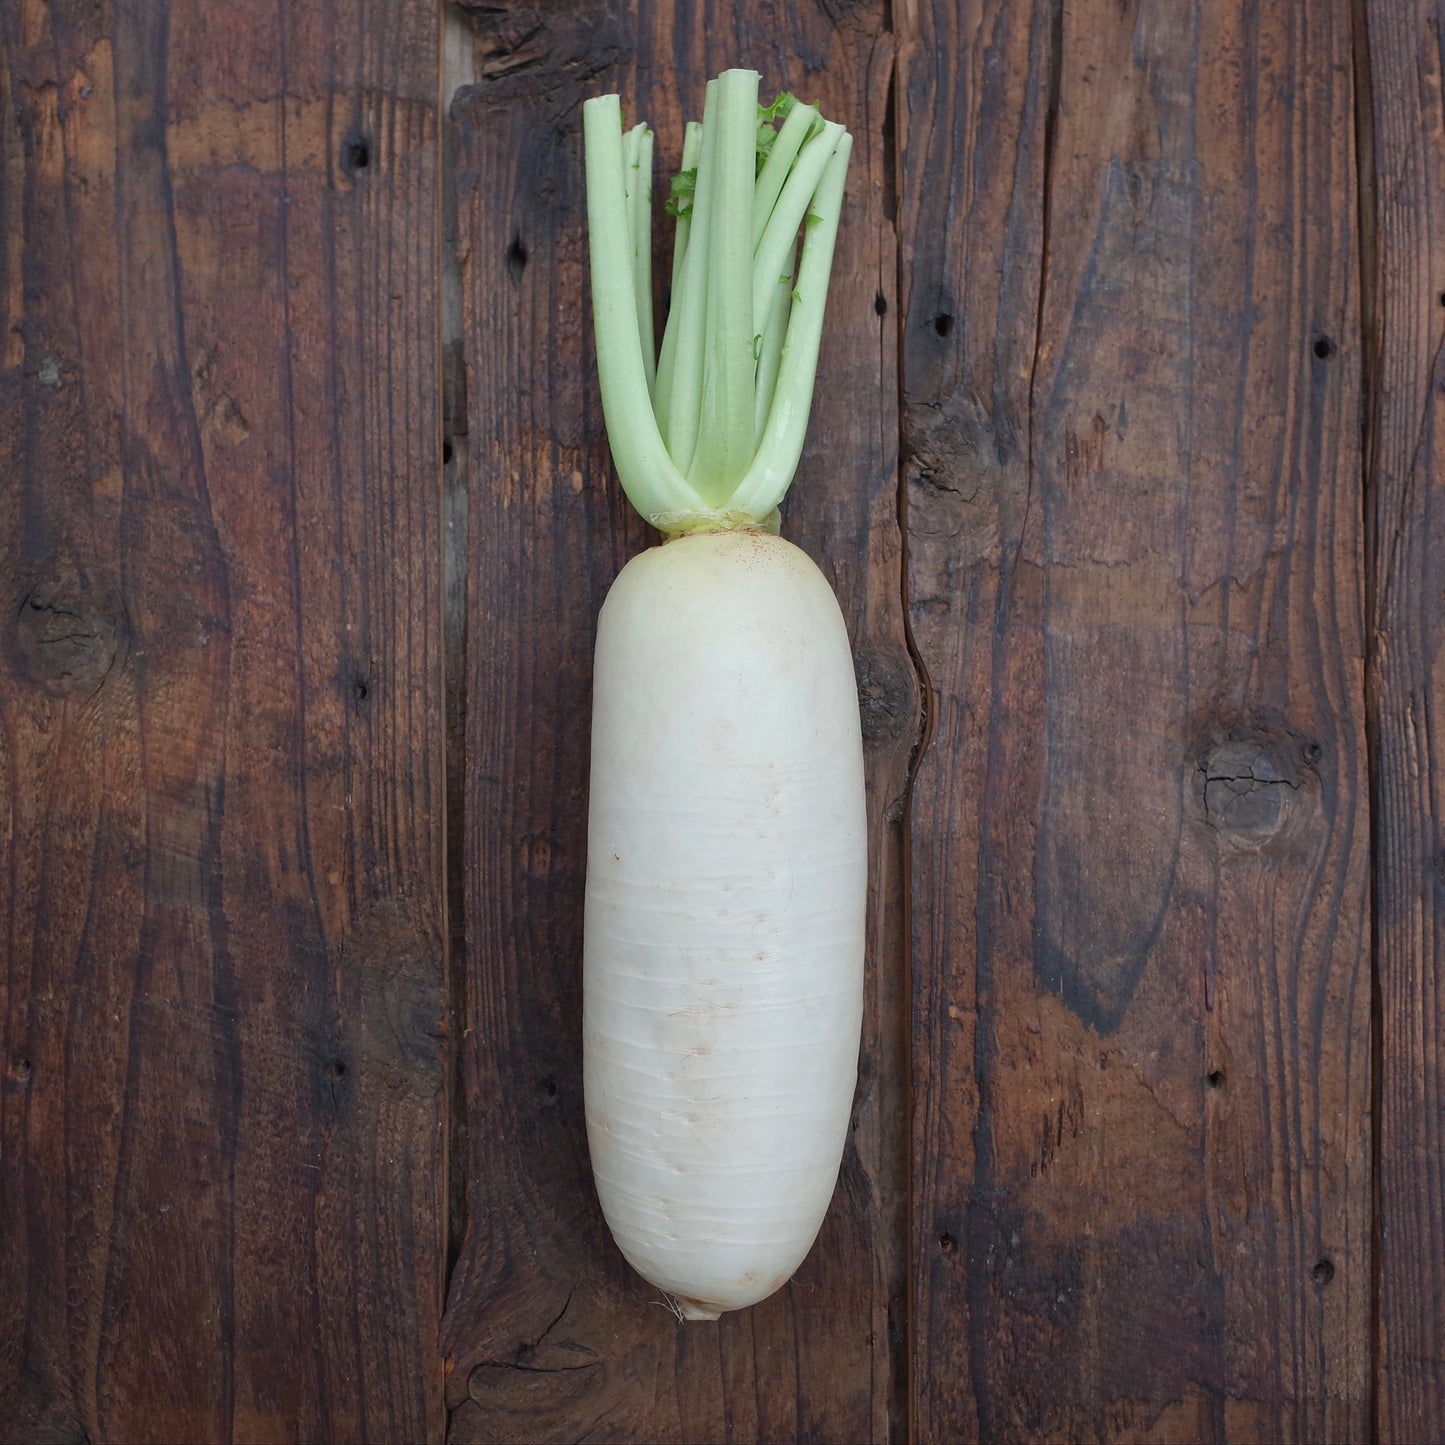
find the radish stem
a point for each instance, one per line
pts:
(689, 311)
(653, 484)
(680, 206)
(637, 178)
(708, 431)
(771, 473)
(725, 426)
(781, 155)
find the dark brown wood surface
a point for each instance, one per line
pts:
(1404, 125)
(305, 517)
(221, 863)
(1140, 944)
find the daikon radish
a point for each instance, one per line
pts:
(726, 857)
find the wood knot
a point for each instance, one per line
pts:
(550, 1372)
(1246, 795)
(961, 463)
(887, 694)
(536, 50)
(66, 640)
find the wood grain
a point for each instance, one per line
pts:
(1106, 254)
(1405, 101)
(1142, 1032)
(551, 1336)
(220, 724)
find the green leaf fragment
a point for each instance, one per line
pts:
(768, 116)
(682, 193)
(780, 109)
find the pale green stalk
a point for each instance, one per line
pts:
(725, 425)
(685, 405)
(691, 151)
(771, 473)
(781, 234)
(637, 176)
(652, 483)
(770, 355)
(712, 437)
(667, 358)
(779, 162)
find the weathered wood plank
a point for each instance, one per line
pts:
(551, 1336)
(221, 1158)
(1142, 1031)
(1405, 265)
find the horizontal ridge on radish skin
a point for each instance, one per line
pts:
(727, 861)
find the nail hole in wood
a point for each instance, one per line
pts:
(880, 304)
(1324, 348)
(1323, 1272)
(355, 154)
(21, 1070)
(1215, 1078)
(548, 1087)
(359, 689)
(336, 1069)
(446, 452)
(516, 259)
(947, 1243)
(943, 323)
(1312, 752)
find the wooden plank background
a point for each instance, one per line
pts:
(1404, 229)
(1140, 835)
(1122, 464)
(221, 851)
